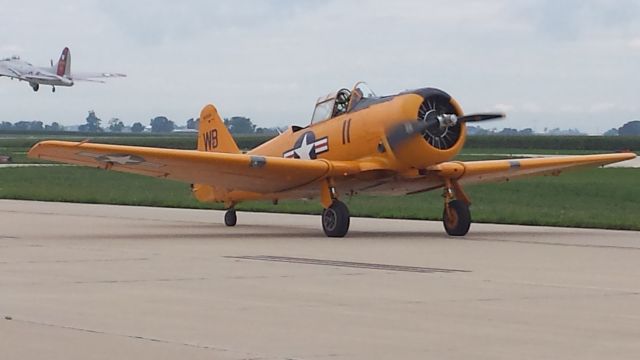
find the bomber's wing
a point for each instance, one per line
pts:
(39, 76)
(8, 71)
(260, 174)
(93, 76)
(497, 170)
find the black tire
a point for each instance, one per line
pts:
(459, 223)
(336, 219)
(230, 218)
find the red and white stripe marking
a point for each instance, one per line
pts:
(321, 145)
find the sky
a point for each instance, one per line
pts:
(547, 64)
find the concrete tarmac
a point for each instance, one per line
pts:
(115, 282)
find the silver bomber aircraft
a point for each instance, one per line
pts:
(56, 75)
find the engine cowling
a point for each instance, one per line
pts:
(436, 143)
(436, 103)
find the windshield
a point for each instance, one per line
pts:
(323, 110)
(360, 91)
(340, 102)
(364, 89)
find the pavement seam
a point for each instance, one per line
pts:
(129, 336)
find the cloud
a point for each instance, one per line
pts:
(270, 60)
(634, 43)
(11, 48)
(504, 107)
(602, 107)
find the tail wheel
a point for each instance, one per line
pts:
(230, 217)
(336, 219)
(456, 218)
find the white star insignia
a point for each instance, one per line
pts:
(121, 159)
(305, 149)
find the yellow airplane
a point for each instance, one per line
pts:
(356, 143)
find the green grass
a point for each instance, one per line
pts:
(604, 198)
(601, 198)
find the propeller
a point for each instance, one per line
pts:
(403, 131)
(447, 120)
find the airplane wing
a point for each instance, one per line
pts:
(262, 174)
(8, 72)
(35, 76)
(40, 76)
(500, 170)
(92, 76)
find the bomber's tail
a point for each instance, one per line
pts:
(64, 63)
(213, 134)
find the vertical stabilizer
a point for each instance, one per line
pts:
(213, 135)
(64, 63)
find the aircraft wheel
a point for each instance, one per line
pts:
(230, 217)
(335, 219)
(459, 220)
(35, 86)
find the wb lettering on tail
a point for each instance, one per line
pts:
(210, 139)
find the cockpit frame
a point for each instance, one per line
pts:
(340, 102)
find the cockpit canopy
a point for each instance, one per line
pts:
(13, 57)
(340, 102)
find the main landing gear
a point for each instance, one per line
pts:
(336, 219)
(35, 86)
(335, 216)
(456, 216)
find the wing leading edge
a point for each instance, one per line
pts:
(8, 72)
(94, 76)
(260, 174)
(498, 170)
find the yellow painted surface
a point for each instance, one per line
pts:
(351, 159)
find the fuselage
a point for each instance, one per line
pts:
(25, 71)
(360, 134)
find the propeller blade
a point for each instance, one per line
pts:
(480, 117)
(404, 131)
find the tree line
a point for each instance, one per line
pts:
(242, 125)
(158, 124)
(631, 128)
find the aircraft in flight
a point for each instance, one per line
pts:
(357, 143)
(56, 75)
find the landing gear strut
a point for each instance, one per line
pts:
(335, 216)
(35, 86)
(53, 89)
(230, 217)
(456, 216)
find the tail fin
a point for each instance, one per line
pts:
(64, 64)
(213, 134)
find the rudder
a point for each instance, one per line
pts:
(64, 63)
(213, 135)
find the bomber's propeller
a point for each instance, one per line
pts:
(400, 133)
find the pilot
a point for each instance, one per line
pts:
(356, 96)
(342, 101)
